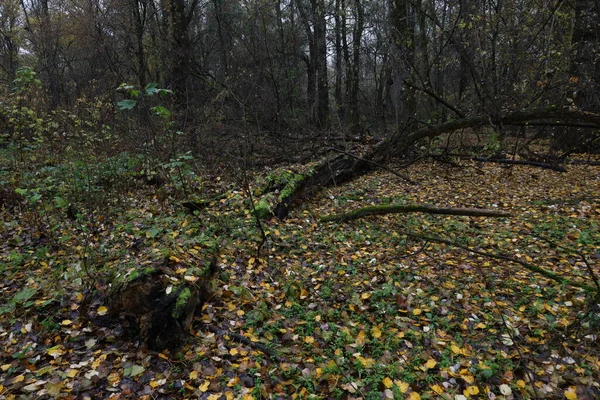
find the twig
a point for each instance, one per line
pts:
(580, 254)
(244, 340)
(530, 267)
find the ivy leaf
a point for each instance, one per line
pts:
(126, 104)
(151, 88)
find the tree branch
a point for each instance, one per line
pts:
(402, 208)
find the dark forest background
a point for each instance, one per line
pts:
(279, 78)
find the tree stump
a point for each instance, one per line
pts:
(158, 303)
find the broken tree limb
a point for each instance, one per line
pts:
(405, 178)
(499, 256)
(553, 167)
(343, 168)
(554, 114)
(403, 208)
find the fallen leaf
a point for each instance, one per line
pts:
(387, 382)
(204, 387)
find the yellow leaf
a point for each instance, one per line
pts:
(309, 339)
(229, 396)
(102, 310)
(437, 389)
(365, 295)
(5, 367)
(387, 382)
(214, 397)
(403, 386)
(414, 396)
(430, 363)
(520, 384)
(376, 332)
(417, 311)
(360, 339)
(72, 373)
(204, 387)
(194, 375)
(471, 391)
(55, 351)
(455, 349)
(19, 378)
(233, 351)
(66, 322)
(571, 393)
(233, 381)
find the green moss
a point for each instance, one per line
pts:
(262, 209)
(139, 273)
(290, 187)
(286, 178)
(182, 300)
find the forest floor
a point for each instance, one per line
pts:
(346, 310)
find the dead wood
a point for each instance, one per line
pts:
(500, 256)
(402, 208)
(342, 168)
(158, 304)
(542, 165)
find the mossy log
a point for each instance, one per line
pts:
(157, 303)
(403, 208)
(331, 171)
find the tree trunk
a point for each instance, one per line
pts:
(585, 65)
(320, 36)
(357, 33)
(139, 15)
(402, 49)
(339, 99)
(310, 61)
(178, 50)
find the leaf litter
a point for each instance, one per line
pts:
(336, 310)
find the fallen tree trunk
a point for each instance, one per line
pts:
(553, 167)
(330, 172)
(516, 118)
(402, 208)
(343, 168)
